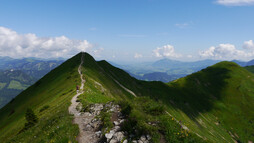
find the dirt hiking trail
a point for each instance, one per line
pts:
(85, 136)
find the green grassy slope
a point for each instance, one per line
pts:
(215, 104)
(101, 86)
(54, 91)
(219, 97)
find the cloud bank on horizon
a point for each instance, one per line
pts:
(220, 52)
(235, 2)
(229, 52)
(17, 45)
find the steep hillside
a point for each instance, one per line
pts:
(49, 98)
(205, 100)
(222, 95)
(212, 105)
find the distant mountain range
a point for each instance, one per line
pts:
(18, 74)
(167, 70)
(32, 66)
(243, 64)
(29, 70)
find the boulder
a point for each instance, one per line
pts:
(116, 123)
(143, 138)
(118, 136)
(98, 134)
(148, 137)
(109, 135)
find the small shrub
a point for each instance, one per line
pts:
(126, 108)
(44, 108)
(12, 111)
(31, 119)
(154, 109)
(106, 121)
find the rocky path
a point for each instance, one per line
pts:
(86, 135)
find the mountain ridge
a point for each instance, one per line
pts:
(201, 102)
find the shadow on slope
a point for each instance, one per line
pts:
(198, 92)
(192, 94)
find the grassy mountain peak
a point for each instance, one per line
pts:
(212, 105)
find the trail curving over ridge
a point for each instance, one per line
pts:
(80, 118)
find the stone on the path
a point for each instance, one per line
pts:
(116, 128)
(88, 127)
(118, 136)
(121, 121)
(148, 137)
(98, 134)
(113, 141)
(109, 135)
(143, 138)
(116, 123)
(125, 141)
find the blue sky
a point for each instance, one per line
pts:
(128, 30)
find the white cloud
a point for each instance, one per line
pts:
(235, 2)
(183, 25)
(248, 45)
(225, 52)
(97, 52)
(136, 56)
(166, 51)
(29, 45)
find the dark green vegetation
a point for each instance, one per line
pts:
(250, 68)
(18, 74)
(212, 105)
(145, 116)
(31, 119)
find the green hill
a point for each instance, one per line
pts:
(220, 95)
(213, 105)
(250, 68)
(49, 98)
